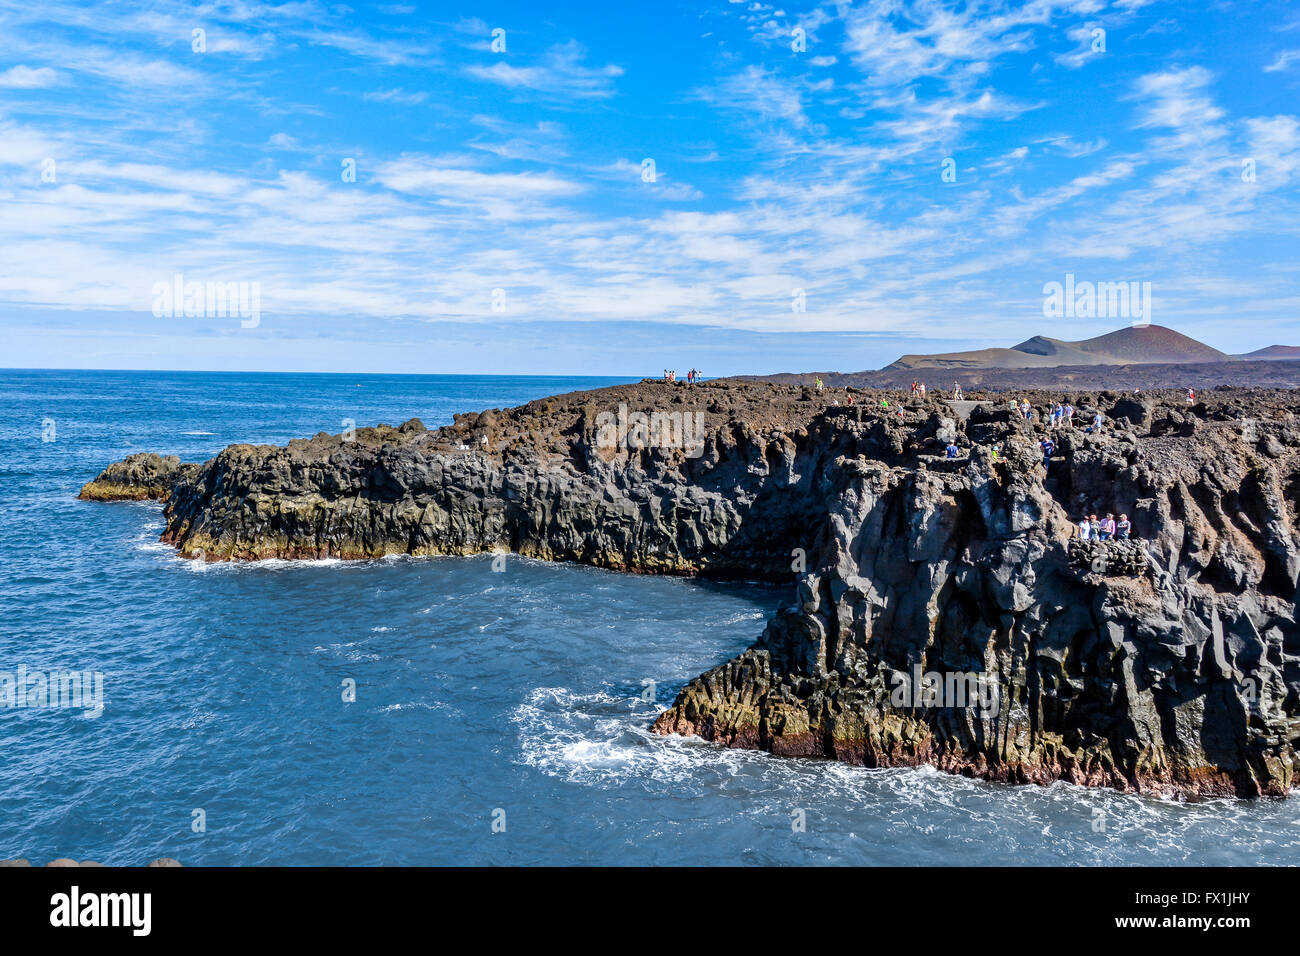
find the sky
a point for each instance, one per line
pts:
(617, 189)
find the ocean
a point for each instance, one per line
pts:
(499, 716)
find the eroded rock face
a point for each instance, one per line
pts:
(1167, 664)
(1172, 664)
(542, 480)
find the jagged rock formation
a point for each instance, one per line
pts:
(1110, 557)
(536, 480)
(1170, 665)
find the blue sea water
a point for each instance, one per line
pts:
(515, 697)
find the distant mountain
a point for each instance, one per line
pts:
(1150, 344)
(1274, 353)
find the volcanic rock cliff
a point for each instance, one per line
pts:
(1170, 663)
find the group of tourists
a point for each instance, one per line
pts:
(1091, 529)
(918, 390)
(1059, 414)
(1062, 414)
(692, 376)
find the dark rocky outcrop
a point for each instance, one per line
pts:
(142, 477)
(1169, 663)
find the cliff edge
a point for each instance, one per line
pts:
(943, 613)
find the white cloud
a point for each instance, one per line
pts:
(399, 96)
(1283, 61)
(754, 90)
(1177, 98)
(25, 78)
(892, 43)
(425, 176)
(1086, 39)
(1074, 149)
(561, 73)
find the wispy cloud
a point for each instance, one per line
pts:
(560, 72)
(398, 96)
(1283, 61)
(767, 96)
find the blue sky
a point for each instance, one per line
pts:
(1107, 140)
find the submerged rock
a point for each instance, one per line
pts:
(942, 612)
(66, 861)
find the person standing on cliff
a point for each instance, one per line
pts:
(1085, 530)
(1094, 527)
(1123, 529)
(1108, 527)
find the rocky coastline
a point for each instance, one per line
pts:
(1169, 664)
